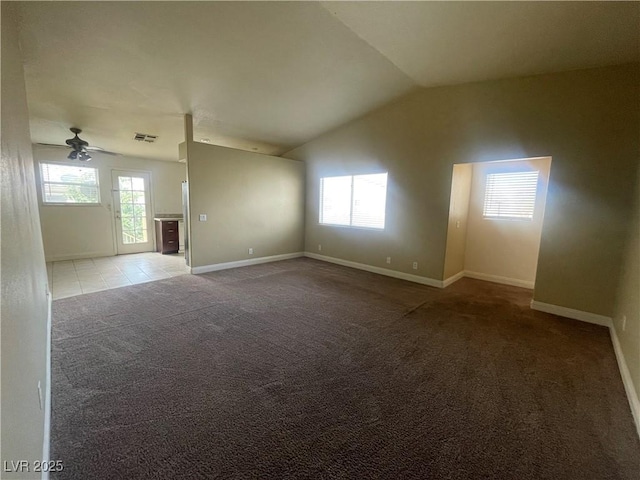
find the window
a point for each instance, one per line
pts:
(354, 200)
(69, 184)
(510, 195)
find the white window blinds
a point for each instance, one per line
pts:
(510, 195)
(69, 184)
(354, 200)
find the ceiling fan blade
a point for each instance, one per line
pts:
(52, 145)
(91, 149)
(101, 150)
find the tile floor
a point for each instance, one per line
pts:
(75, 277)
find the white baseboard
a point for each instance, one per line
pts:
(62, 258)
(381, 271)
(452, 279)
(498, 279)
(629, 387)
(571, 313)
(244, 263)
(589, 317)
(423, 280)
(536, 305)
(46, 441)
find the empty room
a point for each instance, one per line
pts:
(320, 240)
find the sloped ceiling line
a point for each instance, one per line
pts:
(274, 75)
(328, 6)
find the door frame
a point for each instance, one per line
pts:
(114, 220)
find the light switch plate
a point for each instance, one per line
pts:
(203, 217)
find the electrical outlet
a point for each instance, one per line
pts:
(251, 251)
(203, 217)
(624, 323)
(388, 259)
(415, 265)
(457, 223)
(319, 247)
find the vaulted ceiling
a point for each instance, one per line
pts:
(269, 76)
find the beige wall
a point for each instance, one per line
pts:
(24, 275)
(71, 231)
(587, 120)
(505, 250)
(251, 201)
(628, 298)
(458, 219)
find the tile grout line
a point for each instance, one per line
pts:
(146, 268)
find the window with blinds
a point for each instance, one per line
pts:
(67, 184)
(354, 200)
(510, 195)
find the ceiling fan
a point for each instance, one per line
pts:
(79, 148)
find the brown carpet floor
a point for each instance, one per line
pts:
(302, 369)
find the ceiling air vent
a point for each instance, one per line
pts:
(145, 137)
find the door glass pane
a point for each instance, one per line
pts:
(133, 210)
(126, 209)
(138, 197)
(125, 183)
(137, 183)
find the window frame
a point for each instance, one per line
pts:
(42, 184)
(506, 217)
(351, 197)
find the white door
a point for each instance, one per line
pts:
(132, 209)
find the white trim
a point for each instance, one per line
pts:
(452, 279)
(382, 271)
(244, 263)
(422, 280)
(151, 224)
(62, 258)
(571, 313)
(627, 381)
(589, 317)
(601, 320)
(47, 393)
(498, 279)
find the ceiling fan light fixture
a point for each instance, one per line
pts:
(84, 156)
(78, 146)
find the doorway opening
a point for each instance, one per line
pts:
(496, 214)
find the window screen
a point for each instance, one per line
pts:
(354, 200)
(510, 195)
(69, 184)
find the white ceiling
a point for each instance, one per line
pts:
(268, 76)
(444, 43)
